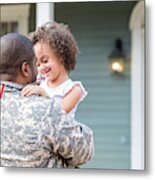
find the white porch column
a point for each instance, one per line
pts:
(137, 109)
(137, 87)
(44, 13)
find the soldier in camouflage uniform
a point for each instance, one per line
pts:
(35, 131)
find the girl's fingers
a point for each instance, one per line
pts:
(26, 91)
(29, 91)
(29, 94)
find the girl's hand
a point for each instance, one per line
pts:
(30, 90)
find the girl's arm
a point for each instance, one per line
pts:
(71, 98)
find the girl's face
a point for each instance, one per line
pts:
(48, 63)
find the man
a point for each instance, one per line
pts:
(35, 132)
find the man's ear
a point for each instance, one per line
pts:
(25, 69)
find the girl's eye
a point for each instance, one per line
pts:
(45, 60)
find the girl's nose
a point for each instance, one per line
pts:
(40, 68)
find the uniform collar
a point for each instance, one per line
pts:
(11, 86)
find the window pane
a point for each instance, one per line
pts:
(3, 28)
(14, 27)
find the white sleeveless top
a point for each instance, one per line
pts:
(59, 92)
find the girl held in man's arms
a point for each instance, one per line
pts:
(56, 51)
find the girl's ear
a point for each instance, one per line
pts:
(25, 69)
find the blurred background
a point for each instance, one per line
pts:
(111, 66)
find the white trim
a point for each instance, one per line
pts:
(19, 13)
(44, 13)
(137, 86)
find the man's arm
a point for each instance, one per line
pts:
(69, 139)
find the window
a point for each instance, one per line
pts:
(8, 27)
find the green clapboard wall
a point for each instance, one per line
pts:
(106, 109)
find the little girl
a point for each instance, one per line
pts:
(56, 50)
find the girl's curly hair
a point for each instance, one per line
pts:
(60, 40)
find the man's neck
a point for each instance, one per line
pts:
(11, 78)
(10, 82)
(7, 77)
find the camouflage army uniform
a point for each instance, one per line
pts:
(35, 132)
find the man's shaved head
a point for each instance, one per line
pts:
(15, 49)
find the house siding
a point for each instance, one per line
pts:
(106, 109)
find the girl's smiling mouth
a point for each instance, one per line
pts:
(46, 71)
